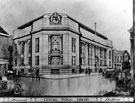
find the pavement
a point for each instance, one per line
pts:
(54, 76)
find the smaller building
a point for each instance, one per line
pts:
(117, 59)
(4, 52)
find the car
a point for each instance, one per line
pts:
(6, 85)
(109, 72)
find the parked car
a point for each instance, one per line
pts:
(109, 72)
(6, 85)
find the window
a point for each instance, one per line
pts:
(101, 62)
(83, 54)
(15, 49)
(105, 64)
(101, 53)
(90, 60)
(90, 53)
(96, 50)
(22, 61)
(29, 60)
(90, 50)
(29, 47)
(56, 44)
(73, 60)
(109, 63)
(105, 54)
(29, 52)
(22, 53)
(73, 45)
(55, 61)
(36, 60)
(15, 61)
(22, 48)
(36, 45)
(109, 54)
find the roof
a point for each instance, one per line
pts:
(29, 23)
(80, 24)
(131, 29)
(88, 29)
(3, 31)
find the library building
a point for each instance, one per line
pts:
(55, 43)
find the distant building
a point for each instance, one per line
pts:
(57, 43)
(4, 53)
(131, 47)
(117, 59)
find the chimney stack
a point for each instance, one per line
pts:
(95, 28)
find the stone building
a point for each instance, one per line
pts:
(5, 42)
(57, 43)
(117, 59)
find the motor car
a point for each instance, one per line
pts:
(6, 85)
(109, 72)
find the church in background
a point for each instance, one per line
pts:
(58, 44)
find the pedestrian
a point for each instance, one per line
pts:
(86, 71)
(37, 73)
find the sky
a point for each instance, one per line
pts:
(113, 17)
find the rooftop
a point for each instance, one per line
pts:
(80, 25)
(3, 31)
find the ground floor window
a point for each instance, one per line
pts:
(21, 61)
(109, 63)
(83, 61)
(73, 60)
(101, 62)
(90, 60)
(36, 60)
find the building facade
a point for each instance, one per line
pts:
(131, 47)
(117, 59)
(5, 42)
(57, 43)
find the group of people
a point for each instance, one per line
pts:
(88, 71)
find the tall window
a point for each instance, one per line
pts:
(22, 61)
(101, 53)
(22, 48)
(73, 60)
(109, 54)
(55, 43)
(22, 54)
(105, 64)
(29, 47)
(56, 49)
(36, 60)
(90, 61)
(15, 61)
(36, 45)
(101, 62)
(90, 50)
(29, 52)
(109, 63)
(83, 54)
(95, 50)
(105, 54)
(90, 54)
(73, 45)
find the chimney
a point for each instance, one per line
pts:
(95, 28)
